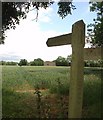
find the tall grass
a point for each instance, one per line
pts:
(92, 101)
(29, 77)
(51, 80)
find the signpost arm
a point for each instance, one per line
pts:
(77, 68)
(59, 40)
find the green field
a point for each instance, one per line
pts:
(33, 92)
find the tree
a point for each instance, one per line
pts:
(38, 62)
(2, 63)
(11, 63)
(69, 59)
(12, 12)
(23, 62)
(95, 30)
(31, 63)
(61, 61)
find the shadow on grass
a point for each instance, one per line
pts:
(17, 105)
(92, 99)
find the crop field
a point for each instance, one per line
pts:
(43, 92)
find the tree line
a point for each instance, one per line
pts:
(60, 61)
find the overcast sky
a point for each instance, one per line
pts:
(28, 40)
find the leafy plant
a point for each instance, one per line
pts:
(38, 95)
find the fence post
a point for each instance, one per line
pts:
(77, 68)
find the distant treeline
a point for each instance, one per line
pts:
(60, 61)
(8, 63)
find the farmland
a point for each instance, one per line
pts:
(33, 92)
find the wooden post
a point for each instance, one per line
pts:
(77, 68)
(77, 39)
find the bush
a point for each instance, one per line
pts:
(23, 62)
(61, 61)
(93, 63)
(37, 62)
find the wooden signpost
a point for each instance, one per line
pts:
(77, 40)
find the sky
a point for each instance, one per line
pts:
(28, 40)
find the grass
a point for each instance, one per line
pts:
(20, 83)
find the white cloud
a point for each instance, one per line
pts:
(45, 14)
(9, 57)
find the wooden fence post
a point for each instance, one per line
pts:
(77, 70)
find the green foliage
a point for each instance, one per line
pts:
(2, 63)
(8, 63)
(96, 29)
(23, 62)
(11, 14)
(11, 63)
(65, 8)
(69, 59)
(93, 63)
(61, 61)
(38, 95)
(37, 62)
